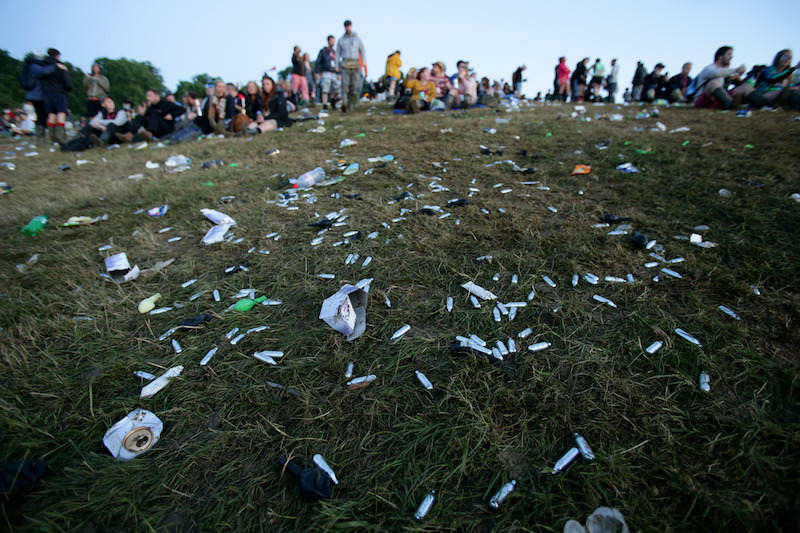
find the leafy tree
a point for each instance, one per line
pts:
(13, 94)
(197, 84)
(130, 79)
(76, 99)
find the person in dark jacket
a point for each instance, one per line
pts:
(155, 120)
(654, 84)
(55, 87)
(274, 113)
(218, 112)
(327, 72)
(38, 69)
(638, 81)
(675, 90)
(579, 80)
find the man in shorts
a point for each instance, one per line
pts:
(55, 87)
(327, 72)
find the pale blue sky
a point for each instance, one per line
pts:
(184, 38)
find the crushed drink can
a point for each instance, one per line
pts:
(133, 435)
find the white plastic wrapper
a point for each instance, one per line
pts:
(217, 218)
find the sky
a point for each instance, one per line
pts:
(496, 37)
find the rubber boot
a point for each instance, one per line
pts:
(52, 133)
(41, 132)
(61, 135)
(723, 97)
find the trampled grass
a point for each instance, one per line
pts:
(670, 456)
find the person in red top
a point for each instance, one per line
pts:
(562, 79)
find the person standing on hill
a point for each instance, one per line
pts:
(299, 80)
(613, 78)
(516, 80)
(638, 81)
(327, 69)
(393, 64)
(352, 55)
(97, 87)
(55, 87)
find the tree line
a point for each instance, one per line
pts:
(128, 79)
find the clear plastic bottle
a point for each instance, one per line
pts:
(35, 226)
(308, 179)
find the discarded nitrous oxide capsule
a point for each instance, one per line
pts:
(653, 348)
(539, 346)
(502, 494)
(705, 381)
(424, 380)
(688, 337)
(565, 460)
(425, 506)
(320, 462)
(584, 447)
(400, 332)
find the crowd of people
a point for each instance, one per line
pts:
(717, 86)
(338, 77)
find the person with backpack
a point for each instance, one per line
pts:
(55, 87)
(351, 56)
(33, 70)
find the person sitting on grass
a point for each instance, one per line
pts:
(422, 91)
(712, 82)
(26, 126)
(675, 91)
(445, 92)
(467, 94)
(654, 84)
(106, 123)
(218, 111)
(155, 120)
(252, 108)
(773, 82)
(274, 113)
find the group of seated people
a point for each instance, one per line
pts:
(224, 111)
(17, 122)
(431, 88)
(719, 86)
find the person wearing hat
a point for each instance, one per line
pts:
(654, 84)
(351, 55)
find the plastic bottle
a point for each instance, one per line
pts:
(308, 179)
(35, 226)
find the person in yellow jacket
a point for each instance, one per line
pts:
(393, 65)
(421, 91)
